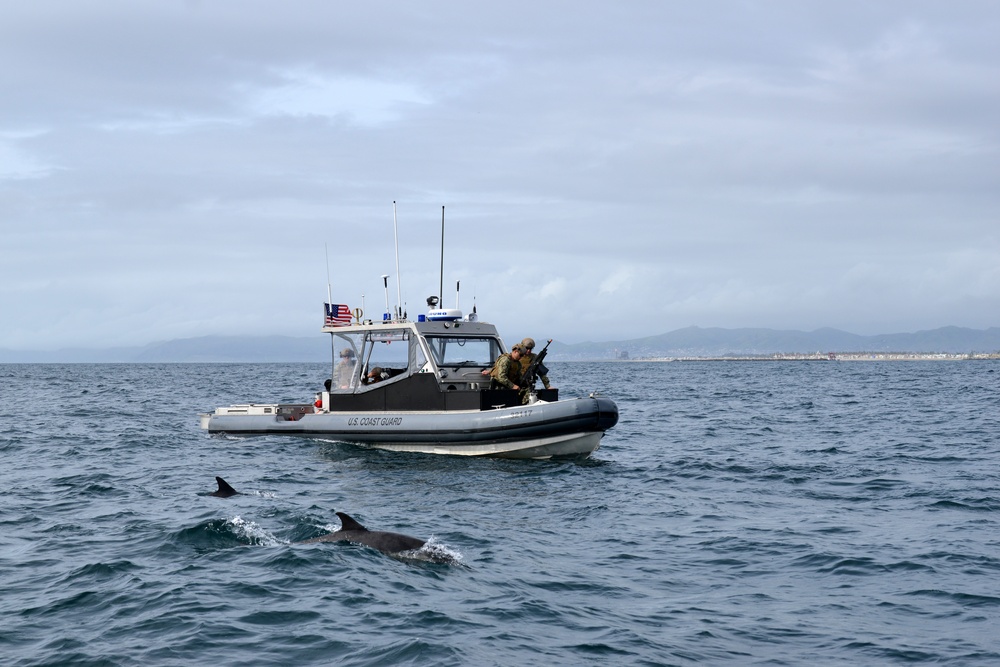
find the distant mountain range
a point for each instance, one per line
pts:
(714, 342)
(236, 349)
(689, 342)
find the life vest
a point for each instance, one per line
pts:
(513, 370)
(526, 360)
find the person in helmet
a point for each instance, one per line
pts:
(345, 369)
(376, 374)
(527, 345)
(506, 372)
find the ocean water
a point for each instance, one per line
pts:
(746, 513)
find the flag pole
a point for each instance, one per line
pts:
(326, 312)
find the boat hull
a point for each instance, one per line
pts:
(565, 428)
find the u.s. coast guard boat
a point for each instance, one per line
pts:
(420, 387)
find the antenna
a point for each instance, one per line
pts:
(329, 292)
(441, 283)
(458, 286)
(385, 282)
(399, 298)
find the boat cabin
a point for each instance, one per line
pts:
(425, 365)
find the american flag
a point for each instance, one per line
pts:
(337, 315)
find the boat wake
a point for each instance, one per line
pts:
(433, 552)
(252, 533)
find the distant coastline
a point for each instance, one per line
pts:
(847, 356)
(690, 343)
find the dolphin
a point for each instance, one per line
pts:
(225, 491)
(352, 531)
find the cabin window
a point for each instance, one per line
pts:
(460, 351)
(385, 356)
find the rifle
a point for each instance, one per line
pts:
(534, 368)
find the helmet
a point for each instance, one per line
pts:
(528, 344)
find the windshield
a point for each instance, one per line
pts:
(345, 356)
(387, 351)
(460, 351)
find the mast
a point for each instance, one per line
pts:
(441, 283)
(399, 298)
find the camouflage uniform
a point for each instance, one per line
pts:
(506, 372)
(527, 357)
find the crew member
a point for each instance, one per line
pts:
(528, 344)
(376, 374)
(506, 372)
(345, 368)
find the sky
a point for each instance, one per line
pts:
(609, 170)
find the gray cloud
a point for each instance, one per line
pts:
(176, 169)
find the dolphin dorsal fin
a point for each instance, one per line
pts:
(224, 487)
(347, 523)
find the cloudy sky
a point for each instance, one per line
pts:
(609, 169)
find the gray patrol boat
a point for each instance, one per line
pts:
(420, 387)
